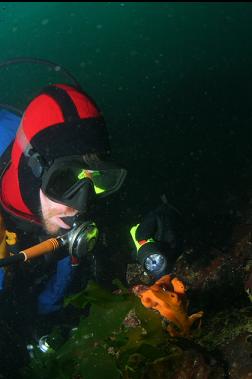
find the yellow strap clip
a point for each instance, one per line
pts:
(11, 238)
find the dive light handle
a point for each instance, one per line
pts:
(148, 254)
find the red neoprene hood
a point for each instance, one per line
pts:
(60, 121)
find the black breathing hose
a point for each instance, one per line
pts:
(55, 66)
(12, 259)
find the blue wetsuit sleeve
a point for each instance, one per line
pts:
(51, 299)
(1, 278)
(9, 123)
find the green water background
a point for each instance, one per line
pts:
(173, 81)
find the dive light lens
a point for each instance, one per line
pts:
(155, 263)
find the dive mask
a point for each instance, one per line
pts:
(69, 180)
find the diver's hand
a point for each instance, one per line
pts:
(158, 240)
(161, 224)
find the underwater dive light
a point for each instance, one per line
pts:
(148, 255)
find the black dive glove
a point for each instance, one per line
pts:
(158, 240)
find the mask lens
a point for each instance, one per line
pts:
(62, 180)
(65, 178)
(105, 181)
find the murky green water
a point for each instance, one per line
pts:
(173, 80)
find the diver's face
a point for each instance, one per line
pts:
(52, 214)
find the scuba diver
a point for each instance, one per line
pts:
(55, 164)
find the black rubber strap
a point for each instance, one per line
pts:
(64, 101)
